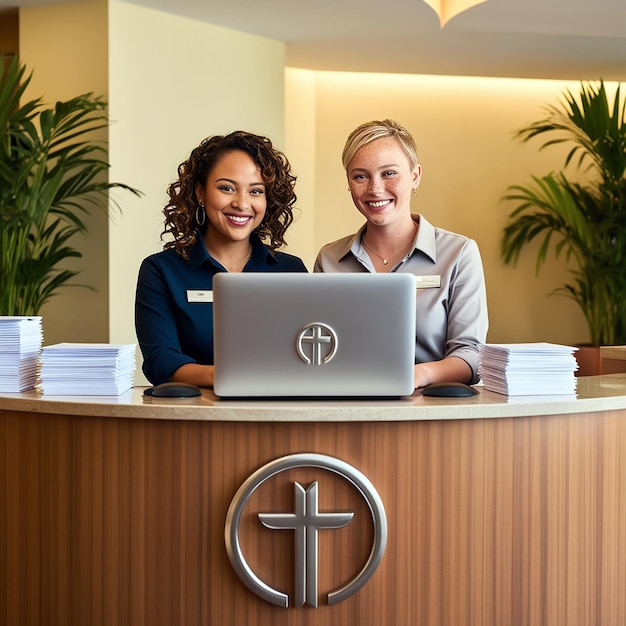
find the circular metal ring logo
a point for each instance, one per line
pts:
(302, 521)
(317, 344)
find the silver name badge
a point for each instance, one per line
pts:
(199, 296)
(425, 282)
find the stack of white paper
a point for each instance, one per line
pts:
(528, 369)
(20, 343)
(86, 369)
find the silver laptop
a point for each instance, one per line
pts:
(314, 335)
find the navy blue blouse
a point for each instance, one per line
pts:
(171, 328)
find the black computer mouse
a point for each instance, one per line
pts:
(449, 390)
(173, 390)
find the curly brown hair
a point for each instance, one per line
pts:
(275, 170)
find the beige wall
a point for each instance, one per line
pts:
(65, 46)
(172, 82)
(168, 86)
(301, 147)
(463, 128)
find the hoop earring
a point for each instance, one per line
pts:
(200, 215)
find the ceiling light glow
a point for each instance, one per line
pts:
(447, 9)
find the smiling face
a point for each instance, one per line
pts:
(234, 197)
(381, 179)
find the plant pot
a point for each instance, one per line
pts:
(591, 363)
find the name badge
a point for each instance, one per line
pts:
(426, 282)
(199, 296)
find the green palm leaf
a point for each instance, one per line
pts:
(52, 174)
(584, 221)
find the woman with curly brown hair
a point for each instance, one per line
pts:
(233, 193)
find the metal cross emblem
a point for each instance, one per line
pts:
(306, 521)
(322, 342)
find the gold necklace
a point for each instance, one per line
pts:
(385, 260)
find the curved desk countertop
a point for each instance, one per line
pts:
(500, 511)
(594, 393)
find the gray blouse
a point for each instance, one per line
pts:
(452, 317)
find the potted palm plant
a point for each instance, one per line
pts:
(52, 173)
(580, 212)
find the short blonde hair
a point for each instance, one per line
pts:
(370, 131)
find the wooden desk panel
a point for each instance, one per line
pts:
(513, 521)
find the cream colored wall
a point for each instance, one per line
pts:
(172, 82)
(300, 147)
(65, 46)
(463, 128)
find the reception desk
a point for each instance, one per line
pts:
(499, 511)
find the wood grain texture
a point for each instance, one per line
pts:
(120, 522)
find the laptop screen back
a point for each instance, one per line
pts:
(314, 335)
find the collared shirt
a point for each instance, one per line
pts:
(452, 315)
(174, 309)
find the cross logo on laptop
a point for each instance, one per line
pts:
(321, 341)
